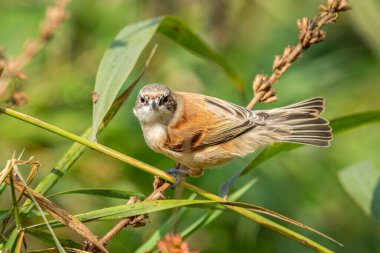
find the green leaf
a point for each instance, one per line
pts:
(338, 125)
(182, 34)
(47, 238)
(362, 183)
(117, 155)
(2, 187)
(151, 243)
(103, 192)
(10, 243)
(75, 151)
(122, 211)
(121, 57)
(116, 65)
(158, 234)
(4, 213)
(206, 219)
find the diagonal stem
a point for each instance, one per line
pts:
(152, 170)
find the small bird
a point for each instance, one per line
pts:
(200, 132)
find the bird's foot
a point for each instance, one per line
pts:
(178, 174)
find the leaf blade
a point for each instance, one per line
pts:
(121, 57)
(180, 33)
(116, 65)
(112, 193)
(361, 182)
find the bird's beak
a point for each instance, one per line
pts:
(153, 105)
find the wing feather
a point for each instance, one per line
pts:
(209, 121)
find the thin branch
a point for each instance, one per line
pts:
(310, 34)
(136, 220)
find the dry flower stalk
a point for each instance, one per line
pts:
(8, 175)
(11, 68)
(310, 33)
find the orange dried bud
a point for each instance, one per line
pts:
(18, 98)
(94, 96)
(173, 244)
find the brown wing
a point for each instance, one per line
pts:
(206, 121)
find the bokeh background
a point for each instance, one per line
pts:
(301, 184)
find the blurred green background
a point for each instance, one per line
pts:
(301, 184)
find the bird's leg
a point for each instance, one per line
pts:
(179, 172)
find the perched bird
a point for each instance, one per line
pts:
(200, 132)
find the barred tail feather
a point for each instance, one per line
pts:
(301, 123)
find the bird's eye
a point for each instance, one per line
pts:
(164, 100)
(142, 99)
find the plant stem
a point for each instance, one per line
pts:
(152, 170)
(15, 207)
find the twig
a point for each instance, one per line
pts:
(310, 33)
(11, 68)
(155, 195)
(159, 186)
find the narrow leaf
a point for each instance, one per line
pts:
(150, 243)
(62, 216)
(77, 149)
(206, 219)
(180, 33)
(361, 181)
(121, 57)
(128, 210)
(53, 250)
(102, 192)
(116, 65)
(47, 238)
(10, 244)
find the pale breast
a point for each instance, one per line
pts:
(155, 136)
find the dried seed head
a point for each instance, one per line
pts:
(331, 4)
(303, 24)
(54, 16)
(344, 6)
(323, 8)
(287, 51)
(31, 48)
(18, 98)
(263, 85)
(278, 61)
(258, 82)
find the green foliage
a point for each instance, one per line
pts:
(298, 184)
(121, 57)
(362, 182)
